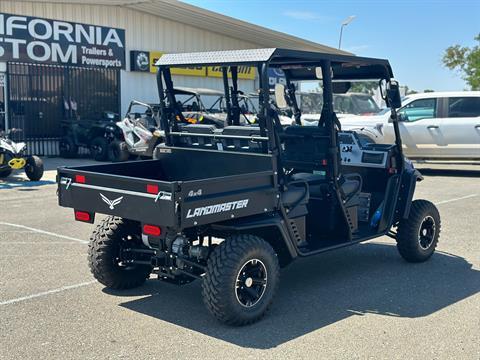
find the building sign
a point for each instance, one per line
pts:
(139, 61)
(189, 71)
(276, 76)
(32, 39)
(244, 72)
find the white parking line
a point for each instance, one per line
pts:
(456, 199)
(44, 232)
(45, 293)
(36, 243)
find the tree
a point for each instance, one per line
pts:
(409, 91)
(428, 90)
(466, 60)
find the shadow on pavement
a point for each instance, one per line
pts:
(450, 172)
(322, 290)
(15, 181)
(52, 163)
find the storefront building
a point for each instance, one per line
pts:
(64, 60)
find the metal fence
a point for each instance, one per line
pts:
(42, 99)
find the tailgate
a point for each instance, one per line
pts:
(144, 200)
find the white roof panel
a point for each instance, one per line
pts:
(212, 57)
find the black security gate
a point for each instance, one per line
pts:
(42, 97)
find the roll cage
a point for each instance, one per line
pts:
(196, 95)
(297, 65)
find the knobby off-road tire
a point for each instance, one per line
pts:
(34, 168)
(106, 242)
(99, 148)
(417, 236)
(5, 173)
(241, 279)
(68, 149)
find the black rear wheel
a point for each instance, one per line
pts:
(108, 254)
(417, 236)
(5, 172)
(34, 168)
(241, 279)
(68, 148)
(99, 148)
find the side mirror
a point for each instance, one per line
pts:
(280, 96)
(393, 98)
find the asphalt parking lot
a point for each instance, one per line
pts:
(360, 302)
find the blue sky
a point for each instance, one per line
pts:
(411, 34)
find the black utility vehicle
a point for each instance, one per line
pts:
(94, 134)
(231, 206)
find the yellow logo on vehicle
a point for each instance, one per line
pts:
(17, 163)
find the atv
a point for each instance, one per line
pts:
(140, 133)
(93, 134)
(229, 207)
(12, 157)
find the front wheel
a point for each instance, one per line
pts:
(34, 168)
(68, 148)
(241, 279)
(99, 148)
(108, 254)
(417, 236)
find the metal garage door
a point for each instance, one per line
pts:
(41, 96)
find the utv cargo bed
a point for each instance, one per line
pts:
(168, 191)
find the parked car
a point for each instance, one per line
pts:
(434, 126)
(94, 134)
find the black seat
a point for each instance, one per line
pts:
(294, 196)
(350, 184)
(241, 144)
(305, 147)
(200, 141)
(316, 182)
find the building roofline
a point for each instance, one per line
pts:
(208, 20)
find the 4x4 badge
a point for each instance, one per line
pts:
(111, 203)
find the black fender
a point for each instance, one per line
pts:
(409, 181)
(271, 228)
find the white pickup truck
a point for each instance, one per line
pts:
(436, 125)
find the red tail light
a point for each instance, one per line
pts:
(324, 162)
(152, 230)
(80, 179)
(152, 189)
(82, 216)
